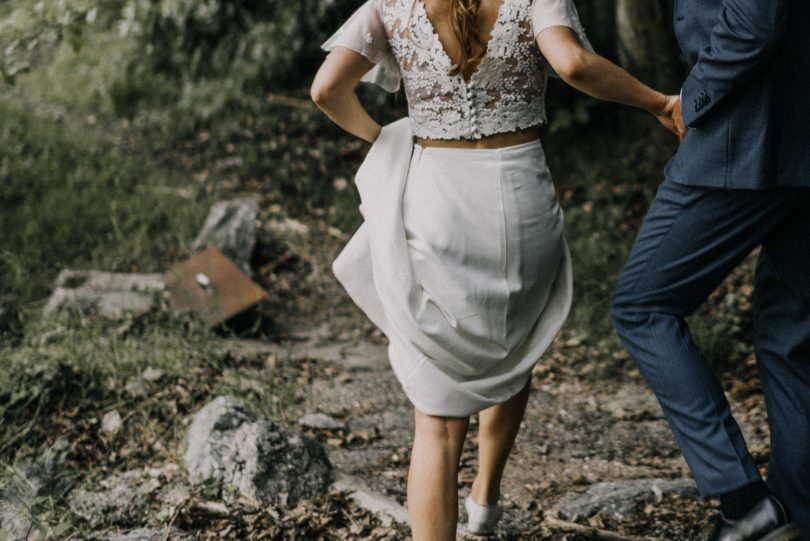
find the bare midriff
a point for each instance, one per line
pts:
(497, 140)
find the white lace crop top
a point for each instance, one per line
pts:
(505, 93)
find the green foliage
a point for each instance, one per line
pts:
(199, 53)
(212, 38)
(11, 298)
(724, 325)
(72, 197)
(251, 46)
(31, 31)
(76, 84)
(43, 495)
(195, 39)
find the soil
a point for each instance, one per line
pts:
(590, 419)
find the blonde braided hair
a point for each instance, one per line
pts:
(467, 27)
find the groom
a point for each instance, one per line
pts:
(740, 179)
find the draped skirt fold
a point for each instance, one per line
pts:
(466, 270)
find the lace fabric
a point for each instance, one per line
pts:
(505, 93)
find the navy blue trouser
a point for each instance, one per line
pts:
(691, 239)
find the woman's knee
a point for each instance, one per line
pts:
(443, 429)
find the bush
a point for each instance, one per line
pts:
(30, 31)
(254, 46)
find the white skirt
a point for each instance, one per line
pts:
(472, 276)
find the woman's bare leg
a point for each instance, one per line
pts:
(497, 428)
(433, 476)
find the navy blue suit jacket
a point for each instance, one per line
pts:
(746, 99)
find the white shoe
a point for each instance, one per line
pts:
(482, 519)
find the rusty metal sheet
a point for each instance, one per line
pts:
(212, 285)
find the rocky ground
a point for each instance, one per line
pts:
(594, 452)
(595, 458)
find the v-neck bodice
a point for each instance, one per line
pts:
(505, 92)
(421, 5)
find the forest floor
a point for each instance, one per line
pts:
(581, 427)
(96, 191)
(590, 420)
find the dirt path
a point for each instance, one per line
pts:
(591, 419)
(576, 433)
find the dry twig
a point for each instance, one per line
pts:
(174, 518)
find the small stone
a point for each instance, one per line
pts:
(135, 388)
(288, 228)
(214, 509)
(111, 423)
(340, 184)
(321, 421)
(153, 374)
(231, 162)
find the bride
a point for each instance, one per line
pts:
(461, 260)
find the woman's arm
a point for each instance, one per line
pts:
(333, 92)
(601, 78)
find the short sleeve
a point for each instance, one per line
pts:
(548, 13)
(364, 32)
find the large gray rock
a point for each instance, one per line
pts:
(617, 499)
(231, 228)
(105, 293)
(321, 421)
(259, 459)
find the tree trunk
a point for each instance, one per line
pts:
(599, 19)
(647, 46)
